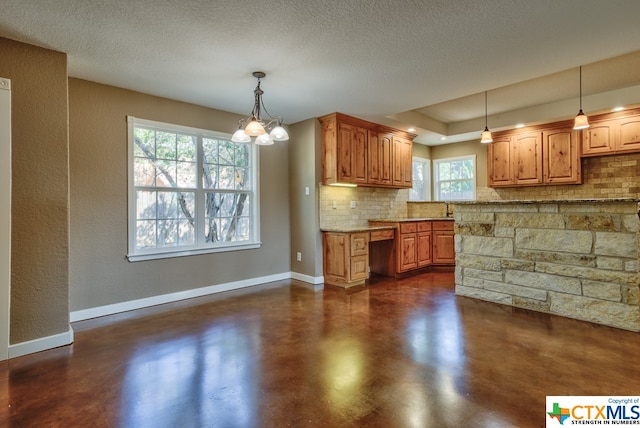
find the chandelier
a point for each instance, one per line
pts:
(264, 131)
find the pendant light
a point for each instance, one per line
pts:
(581, 121)
(264, 131)
(486, 134)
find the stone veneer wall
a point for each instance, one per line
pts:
(575, 259)
(370, 203)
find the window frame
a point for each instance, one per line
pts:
(427, 187)
(200, 247)
(436, 182)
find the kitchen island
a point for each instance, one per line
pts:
(574, 258)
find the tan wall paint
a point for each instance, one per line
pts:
(421, 151)
(466, 148)
(100, 274)
(40, 190)
(305, 171)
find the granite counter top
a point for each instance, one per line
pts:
(355, 229)
(405, 220)
(550, 201)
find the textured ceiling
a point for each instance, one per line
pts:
(423, 63)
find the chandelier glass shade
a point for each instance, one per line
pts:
(264, 131)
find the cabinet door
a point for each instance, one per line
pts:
(561, 158)
(373, 158)
(402, 162)
(598, 139)
(500, 162)
(527, 158)
(352, 154)
(335, 256)
(444, 247)
(329, 152)
(359, 158)
(407, 252)
(359, 268)
(629, 134)
(424, 249)
(385, 142)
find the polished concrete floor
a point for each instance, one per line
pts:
(396, 353)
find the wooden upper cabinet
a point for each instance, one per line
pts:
(352, 154)
(500, 163)
(597, 139)
(386, 154)
(612, 133)
(527, 158)
(380, 154)
(561, 157)
(629, 134)
(358, 152)
(547, 154)
(402, 162)
(374, 158)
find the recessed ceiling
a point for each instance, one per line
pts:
(420, 63)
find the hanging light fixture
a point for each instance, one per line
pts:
(264, 131)
(486, 134)
(581, 121)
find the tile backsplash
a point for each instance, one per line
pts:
(370, 203)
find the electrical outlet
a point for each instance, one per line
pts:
(299, 256)
(353, 204)
(334, 204)
(306, 190)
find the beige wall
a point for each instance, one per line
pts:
(99, 273)
(40, 197)
(305, 171)
(466, 148)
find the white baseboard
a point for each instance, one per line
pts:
(315, 280)
(42, 344)
(115, 308)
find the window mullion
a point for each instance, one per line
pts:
(200, 195)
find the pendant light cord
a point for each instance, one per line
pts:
(486, 120)
(580, 88)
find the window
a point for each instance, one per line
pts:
(191, 191)
(455, 178)
(421, 190)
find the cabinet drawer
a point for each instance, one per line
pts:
(408, 227)
(381, 235)
(443, 225)
(424, 226)
(360, 244)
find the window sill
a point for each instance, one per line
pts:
(195, 252)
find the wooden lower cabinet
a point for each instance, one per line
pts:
(424, 249)
(444, 252)
(346, 258)
(417, 245)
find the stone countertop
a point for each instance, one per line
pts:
(354, 229)
(549, 201)
(405, 220)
